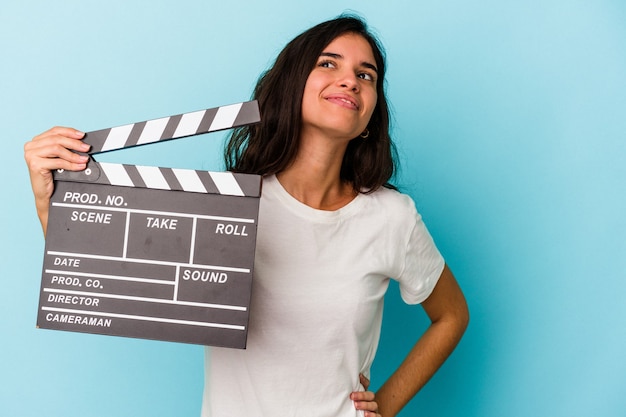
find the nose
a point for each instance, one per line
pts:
(349, 80)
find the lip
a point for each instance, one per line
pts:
(343, 100)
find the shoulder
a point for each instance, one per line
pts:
(395, 209)
(392, 200)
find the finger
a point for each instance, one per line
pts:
(49, 146)
(364, 381)
(59, 150)
(44, 166)
(50, 143)
(362, 396)
(368, 408)
(69, 132)
(366, 405)
(54, 157)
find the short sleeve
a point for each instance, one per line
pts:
(423, 265)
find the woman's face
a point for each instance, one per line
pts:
(340, 93)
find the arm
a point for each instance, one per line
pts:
(447, 310)
(49, 151)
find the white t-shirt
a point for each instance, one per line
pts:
(317, 300)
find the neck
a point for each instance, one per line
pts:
(314, 176)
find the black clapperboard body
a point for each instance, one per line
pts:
(151, 252)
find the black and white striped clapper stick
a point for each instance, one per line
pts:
(173, 127)
(173, 179)
(166, 128)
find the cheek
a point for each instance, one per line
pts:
(373, 102)
(307, 96)
(315, 84)
(311, 88)
(307, 102)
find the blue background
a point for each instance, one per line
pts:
(511, 122)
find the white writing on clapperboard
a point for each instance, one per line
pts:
(90, 198)
(78, 295)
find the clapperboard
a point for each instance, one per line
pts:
(151, 252)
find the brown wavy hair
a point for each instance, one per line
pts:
(270, 146)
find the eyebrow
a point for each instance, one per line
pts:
(339, 56)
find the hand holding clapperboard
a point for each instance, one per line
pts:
(151, 252)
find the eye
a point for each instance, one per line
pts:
(326, 64)
(366, 76)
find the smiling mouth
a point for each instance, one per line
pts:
(343, 102)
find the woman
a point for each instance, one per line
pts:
(331, 232)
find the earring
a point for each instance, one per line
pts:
(365, 134)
